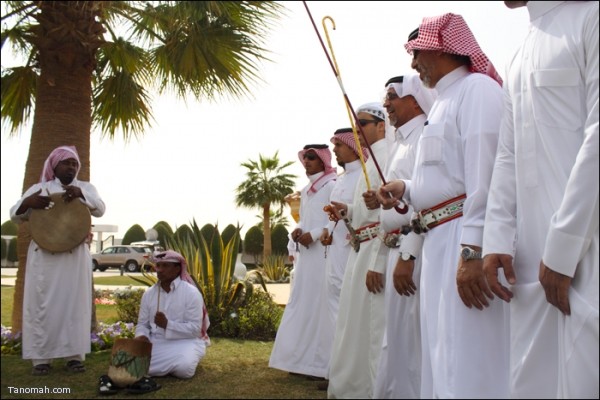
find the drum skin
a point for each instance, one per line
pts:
(62, 227)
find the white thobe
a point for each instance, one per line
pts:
(338, 251)
(296, 348)
(337, 254)
(57, 304)
(178, 349)
(360, 324)
(546, 172)
(399, 371)
(464, 351)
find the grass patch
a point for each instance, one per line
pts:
(106, 313)
(230, 369)
(116, 280)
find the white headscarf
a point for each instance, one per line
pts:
(412, 86)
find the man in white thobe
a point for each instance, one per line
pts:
(464, 350)
(360, 324)
(174, 319)
(546, 173)
(336, 236)
(399, 371)
(58, 285)
(295, 349)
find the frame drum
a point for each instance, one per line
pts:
(62, 227)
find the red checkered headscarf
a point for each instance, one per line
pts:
(451, 34)
(322, 151)
(346, 136)
(58, 154)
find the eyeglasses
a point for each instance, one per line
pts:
(310, 156)
(389, 96)
(365, 122)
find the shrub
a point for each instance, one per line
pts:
(258, 319)
(12, 250)
(9, 228)
(228, 233)
(279, 239)
(134, 234)
(164, 231)
(254, 242)
(274, 269)
(128, 303)
(3, 249)
(183, 232)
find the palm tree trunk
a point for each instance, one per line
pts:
(65, 73)
(266, 231)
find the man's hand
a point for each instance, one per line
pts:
(160, 319)
(370, 197)
(35, 201)
(403, 277)
(389, 195)
(472, 287)
(491, 264)
(296, 234)
(305, 239)
(374, 282)
(71, 193)
(325, 237)
(556, 286)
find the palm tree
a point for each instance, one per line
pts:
(81, 69)
(266, 184)
(275, 218)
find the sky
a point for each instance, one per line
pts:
(187, 165)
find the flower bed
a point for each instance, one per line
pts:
(101, 340)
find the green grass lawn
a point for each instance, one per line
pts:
(230, 369)
(116, 280)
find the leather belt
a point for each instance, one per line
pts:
(367, 232)
(438, 214)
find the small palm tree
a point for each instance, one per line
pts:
(266, 184)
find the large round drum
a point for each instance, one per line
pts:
(62, 227)
(130, 361)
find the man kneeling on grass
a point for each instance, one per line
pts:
(174, 319)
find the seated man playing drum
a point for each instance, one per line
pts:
(174, 319)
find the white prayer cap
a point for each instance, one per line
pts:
(375, 108)
(411, 85)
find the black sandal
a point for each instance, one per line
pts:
(40, 369)
(75, 367)
(107, 386)
(144, 385)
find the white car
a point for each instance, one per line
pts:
(131, 257)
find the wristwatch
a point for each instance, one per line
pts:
(468, 253)
(405, 256)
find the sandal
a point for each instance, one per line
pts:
(75, 367)
(107, 386)
(144, 385)
(40, 369)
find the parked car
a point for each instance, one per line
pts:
(132, 257)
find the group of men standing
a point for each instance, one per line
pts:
(493, 180)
